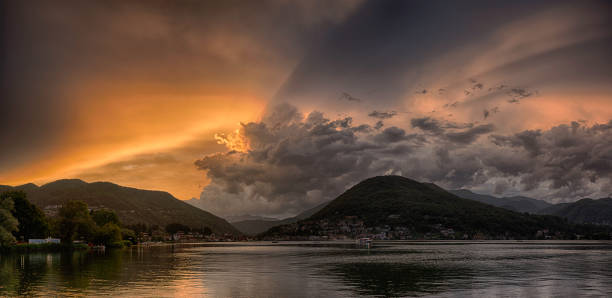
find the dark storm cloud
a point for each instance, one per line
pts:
(476, 87)
(528, 140)
(516, 94)
(293, 164)
(569, 156)
(564, 163)
(427, 124)
(59, 55)
(470, 135)
(348, 97)
(382, 114)
(302, 161)
(448, 130)
(389, 55)
(391, 135)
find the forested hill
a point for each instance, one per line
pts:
(131, 205)
(401, 207)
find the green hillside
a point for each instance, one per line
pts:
(131, 205)
(400, 207)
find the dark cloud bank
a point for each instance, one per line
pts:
(295, 161)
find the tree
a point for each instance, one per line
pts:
(74, 220)
(8, 223)
(32, 221)
(127, 234)
(108, 235)
(104, 216)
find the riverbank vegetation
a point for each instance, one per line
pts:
(76, 226)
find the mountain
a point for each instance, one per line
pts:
(257, 226)
(398, 207)
(243, 217)
(516, 203)
(131, 205)
(584, 211)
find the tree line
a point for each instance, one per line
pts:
(21, 220)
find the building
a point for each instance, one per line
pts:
(43, 241)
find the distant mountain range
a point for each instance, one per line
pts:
(584, 211)
(243, 217)
(132, 205)
(401, 208)
(517, 203)
(257, 226)
(253, 224)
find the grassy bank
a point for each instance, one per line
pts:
(44, 247)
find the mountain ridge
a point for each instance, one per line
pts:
(396, 207)
(514, 203)
(132, 205)
(254, 227)
(589, 211)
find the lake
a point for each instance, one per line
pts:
(326, 269)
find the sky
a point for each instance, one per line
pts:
(272, 107)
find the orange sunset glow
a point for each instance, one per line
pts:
(306, 148)
(147, 91)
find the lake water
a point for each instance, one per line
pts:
(331, 269)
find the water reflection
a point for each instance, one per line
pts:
(31, 268)
(389, 279)
(317, 269)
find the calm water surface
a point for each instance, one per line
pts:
(331, 269)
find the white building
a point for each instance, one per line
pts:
(42, 241)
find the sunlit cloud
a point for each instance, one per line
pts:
(135, 92)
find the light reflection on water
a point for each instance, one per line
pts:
(534, 268)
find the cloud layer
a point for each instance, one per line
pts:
(478, 94)
(291, 162)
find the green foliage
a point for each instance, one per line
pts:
(8, 223)
(104, 216)
(74, 221)
(32, 221)
(129, 235)
(100, 227)
(107, 235)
